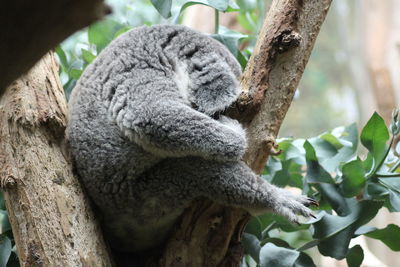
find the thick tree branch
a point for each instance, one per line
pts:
(29, 29)
(51, 218)
(209, 234)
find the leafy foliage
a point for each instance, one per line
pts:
(350, 191)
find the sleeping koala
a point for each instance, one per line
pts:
(147, 138)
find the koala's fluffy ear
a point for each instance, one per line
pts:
(213, 85)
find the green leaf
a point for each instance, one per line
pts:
(271, 255)
(87, 56)
(254, 227)
(290, 151)
(331, 139)
(331, 193)
(323, 148)
(353, 178)
(355, 256)
(374, 137)
(304, 261)
(390, 236)
(392, 186)
(2, 204)
(163, 7)
(102, 33)
(376, 191)
(280, 222)
(252, 246)
(5, 250)
(62, 57)
(75, 73)
(276, 241)
(335, 232)
(315, 172)
(124, 29)
(230, 39)
(349, 142)
(220, 5)
(4, 222)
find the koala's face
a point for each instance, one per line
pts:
(213, 85)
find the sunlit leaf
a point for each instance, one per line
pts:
(353, 178)
(102, 33)
(374, 137)
(87, 56)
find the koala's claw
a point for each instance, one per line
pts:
(290, 206)
(311, 202)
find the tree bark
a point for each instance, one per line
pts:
(209, 234)
(51, 218)
(29, 29)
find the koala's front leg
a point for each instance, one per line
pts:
(230, 183)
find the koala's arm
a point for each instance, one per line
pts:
(173, 129)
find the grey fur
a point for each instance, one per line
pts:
(144, 141)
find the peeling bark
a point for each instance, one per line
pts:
(29, 29)
(51, 218)
(209, 234)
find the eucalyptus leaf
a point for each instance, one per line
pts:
(87, 56)
(103, 32)
(5, 250)
(272, 255)
(355, 256)
(353, 178)
(349, 140)
(331, 193)
(252, 246)
(254, 227)
(335, 232)
(4, 222)
(163, 7)
(315, 172)
(390, 236)
(62, 57)
(394, 198)
(304, 261)
(374, 137)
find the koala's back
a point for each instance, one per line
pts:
(141, 55)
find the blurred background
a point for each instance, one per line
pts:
(353, 71)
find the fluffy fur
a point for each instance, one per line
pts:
(146, 137)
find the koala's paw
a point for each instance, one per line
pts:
(290, 206)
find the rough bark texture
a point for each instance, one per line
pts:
(31, 28)
(209, 234)
(51, 218)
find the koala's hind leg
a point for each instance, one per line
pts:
(229, 183)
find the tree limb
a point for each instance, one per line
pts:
(29, 29)
(209, 234)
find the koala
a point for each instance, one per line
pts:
(147, 135)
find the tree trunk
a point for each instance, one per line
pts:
(209, 234)
(51, 219)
